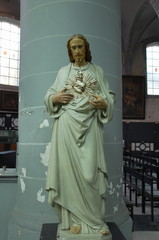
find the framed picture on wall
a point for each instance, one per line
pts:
(133, 97)
(9, 101)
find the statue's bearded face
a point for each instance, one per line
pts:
(78, 50)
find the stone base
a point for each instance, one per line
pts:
(49, 232)
(66, 235)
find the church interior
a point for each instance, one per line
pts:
(139, 45)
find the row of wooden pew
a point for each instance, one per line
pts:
(141, 176)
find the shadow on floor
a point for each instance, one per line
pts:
(144, 223)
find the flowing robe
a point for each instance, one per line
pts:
(77, 174)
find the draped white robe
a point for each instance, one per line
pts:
(77, 174)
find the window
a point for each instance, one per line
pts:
(9, 51)
(152, 56)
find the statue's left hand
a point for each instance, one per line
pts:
(98, 102)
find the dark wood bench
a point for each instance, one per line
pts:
(8, 159)
(143, 185)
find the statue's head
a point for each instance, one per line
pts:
(88, 56)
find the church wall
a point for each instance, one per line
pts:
(138, 68)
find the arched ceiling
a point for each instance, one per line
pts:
(139, 24)
(155, 5)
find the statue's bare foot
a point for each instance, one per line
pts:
(105, 232)
(75, 229)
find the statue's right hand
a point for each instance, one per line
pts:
(62, 97)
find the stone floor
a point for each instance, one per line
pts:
(145, 235)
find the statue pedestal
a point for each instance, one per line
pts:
(49, 231)
(66, 235)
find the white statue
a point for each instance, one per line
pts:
(80, 103)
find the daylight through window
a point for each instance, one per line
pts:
(152, 56)
(9, 52)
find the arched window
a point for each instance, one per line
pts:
(152, 63)
(9, 51)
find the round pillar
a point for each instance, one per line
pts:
(45, 27)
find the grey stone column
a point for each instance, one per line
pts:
(45, 27)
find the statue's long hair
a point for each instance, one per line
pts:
(88, 56)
